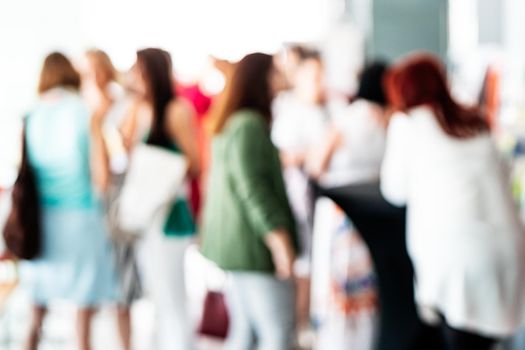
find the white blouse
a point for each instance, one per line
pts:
(297, 126)
(463, 235)
(358, 158)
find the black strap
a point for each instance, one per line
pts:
(24, 161)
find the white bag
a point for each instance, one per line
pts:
(151, 184)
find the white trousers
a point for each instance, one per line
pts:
(261, 311)
(162, 261)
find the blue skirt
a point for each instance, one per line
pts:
(76, 262)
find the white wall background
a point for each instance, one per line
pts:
(190, 29)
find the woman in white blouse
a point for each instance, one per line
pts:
(352, 148)
(464, 236)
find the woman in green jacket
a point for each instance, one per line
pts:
(248, 228)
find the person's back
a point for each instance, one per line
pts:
(73, 231)
(464, 236)
(58, 136)
(461, 220)
(65, 149)
(456, 185)
(248, 228)
(358, 155)
(228, 196)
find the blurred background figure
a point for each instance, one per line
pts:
(101, 87)
(301, 118)
(289, 59)
(464, 235)
(159, 117)
(223, 69)
(248, 227)
(103, 84)
(344, 299)
(100, 82)
(66, 150)
(352, 148)
(201, 100)
(325, 142)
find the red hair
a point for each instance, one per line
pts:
(420, 80)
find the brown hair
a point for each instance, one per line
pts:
(420, 80)
(103, 62)
(249, 87)
(58, 71)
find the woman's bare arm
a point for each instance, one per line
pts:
(319, 158)
(182, 129)
(99, 159)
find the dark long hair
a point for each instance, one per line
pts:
(156, 68)
(371, 86)
(421, 80)
(248, 88)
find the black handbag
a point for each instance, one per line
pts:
(22, 230)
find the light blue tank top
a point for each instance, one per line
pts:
(58, 137)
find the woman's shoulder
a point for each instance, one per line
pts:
(61, 99)
(246, 119)
(420, 120)
(400, 123)
(180, 106)
(357, 113)
(245, 126)
(424, 120)
(180, 115)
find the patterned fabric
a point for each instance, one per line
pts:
(352, 279)
(344, 295)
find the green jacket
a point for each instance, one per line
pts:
(246, 197)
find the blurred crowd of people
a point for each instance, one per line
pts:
(256, 154)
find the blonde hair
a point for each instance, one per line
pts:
(102, 61)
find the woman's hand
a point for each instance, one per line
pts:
(278, 241)
(292, 159)
(319, 157)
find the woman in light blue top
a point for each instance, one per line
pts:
(65, 148)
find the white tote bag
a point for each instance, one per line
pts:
(153, 179)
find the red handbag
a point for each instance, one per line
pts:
(215, 320)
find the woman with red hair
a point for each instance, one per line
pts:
(463, 235)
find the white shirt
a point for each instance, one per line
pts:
(463, 235)
(358, 159)
(297, 126)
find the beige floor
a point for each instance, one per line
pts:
(59, 327)
(58, 333)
